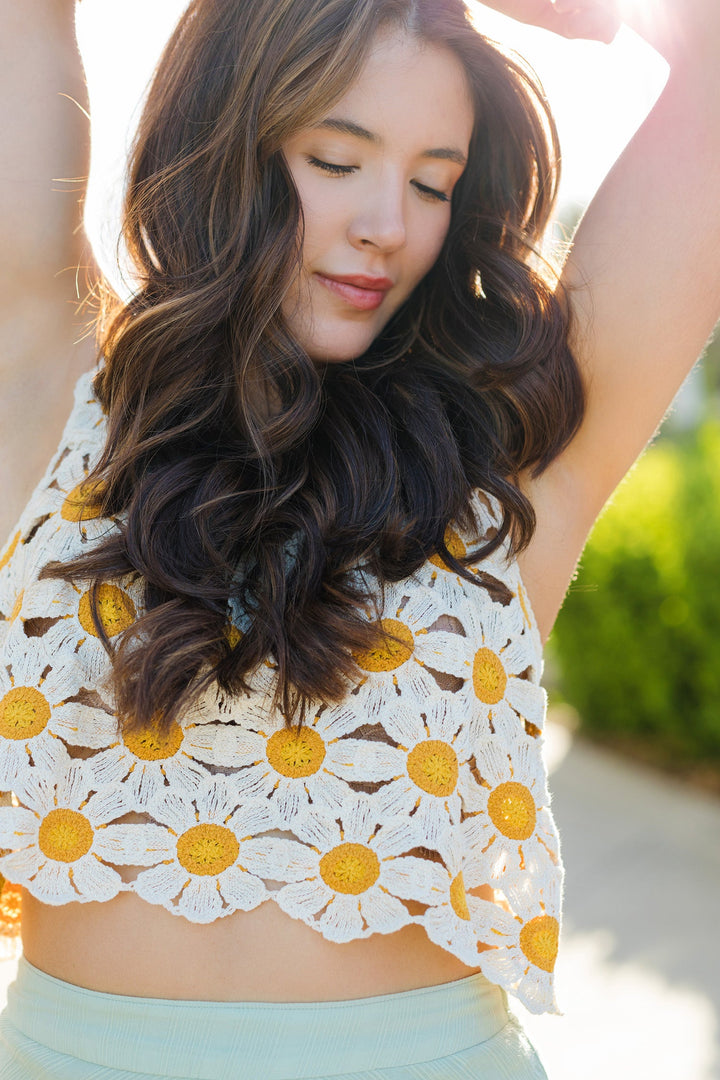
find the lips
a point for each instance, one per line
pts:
(361, 291)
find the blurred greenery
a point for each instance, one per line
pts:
(636, 646)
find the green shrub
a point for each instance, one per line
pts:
(637, 643)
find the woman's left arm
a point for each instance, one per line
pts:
(644, 265)
(643, 272)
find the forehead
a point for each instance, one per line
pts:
(410, 92)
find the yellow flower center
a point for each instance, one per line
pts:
(539, 941)
(84, 501)
(154, 744)
(115, 607)
(433, 766)
(350, 868)
(17, 606)
(458, 899)
(512, 810)
(232, 634)
(489, 678)
(207, 849)
(24, 712)
(294, 754)
(9, 553)
(454, 545)
(65, 835)
(390, 654)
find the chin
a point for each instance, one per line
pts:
(337, 348)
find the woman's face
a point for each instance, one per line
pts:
(375, 178)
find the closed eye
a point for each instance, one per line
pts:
(439, 195)
(345, 170)
(336, 170)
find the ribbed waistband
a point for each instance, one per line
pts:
(213, 1040)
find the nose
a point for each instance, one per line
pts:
(379, 220)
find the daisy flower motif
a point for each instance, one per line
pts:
(71, 505)
(347, 874)
(510, 818)
(431, 770)
(210, 855)
(146, 762)
(60, 836)
(440, 577)
(436, 574)
(528, 941)
(36, 715)
(72, 630)
(291, 769)
(396, 666)
(499, 657)
(457, 920)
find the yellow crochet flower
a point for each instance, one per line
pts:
(35, 716)
(429, 768)
(70, 506)
(64, 608)
(209, 848)
(438, 575)
(528, 943)
(457, 920)
(511, 821)
(350, 870)
(500, 689)
(294, 770)
(60, 839)
(397, 669)
(146, 762)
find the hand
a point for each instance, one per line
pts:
(596, 20)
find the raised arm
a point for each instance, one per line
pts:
(45, 137)
(644, 270)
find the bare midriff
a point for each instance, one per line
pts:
(129, 946)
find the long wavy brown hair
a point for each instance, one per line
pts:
(361, 464)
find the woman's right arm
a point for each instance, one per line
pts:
(45, 138)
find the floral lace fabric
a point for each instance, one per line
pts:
(426, 782)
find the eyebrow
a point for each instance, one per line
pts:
(349, 127)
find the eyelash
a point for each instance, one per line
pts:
(345, 170)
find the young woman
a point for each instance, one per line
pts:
(274, 615)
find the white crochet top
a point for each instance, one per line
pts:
(406, 791)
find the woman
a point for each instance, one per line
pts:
(319, 506)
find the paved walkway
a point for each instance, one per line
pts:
(638, 974)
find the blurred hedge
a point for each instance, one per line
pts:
(637, 643)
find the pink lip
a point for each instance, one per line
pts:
(362, 291)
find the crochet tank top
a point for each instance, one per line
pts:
(426, 781)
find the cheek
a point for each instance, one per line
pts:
(323, 219)
(427, 245)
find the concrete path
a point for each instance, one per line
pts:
(638, 975)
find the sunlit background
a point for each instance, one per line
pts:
(638, 974)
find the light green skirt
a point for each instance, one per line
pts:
(53, 1030)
